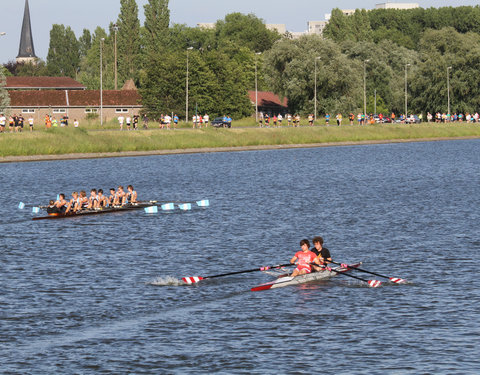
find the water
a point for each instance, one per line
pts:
(103, 294)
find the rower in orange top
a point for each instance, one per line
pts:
(130, 196)
(305, 257)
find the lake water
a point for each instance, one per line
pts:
(101, 294)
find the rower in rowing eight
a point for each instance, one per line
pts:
(59, 207)
(73, 202)
(82, 203)
(111, 197)
(119, 195)
(305, 257)
(130, 196)
(93, 200)
(102, 200)
(322, 253)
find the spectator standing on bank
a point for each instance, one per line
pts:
(275, 118)
(339, 119)
(175, 121)
(280, 119)
(206, 119)
(121, 119)
(30, 123)
(351, 117)
(145, 121)
(128, 121)
(3, 121)
(135, 122)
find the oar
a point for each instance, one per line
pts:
(371, 283)
(196, 279)
(393, 279)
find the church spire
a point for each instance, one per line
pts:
(26, 52)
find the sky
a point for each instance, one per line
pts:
(92, 13)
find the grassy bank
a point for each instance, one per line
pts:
(69, 140)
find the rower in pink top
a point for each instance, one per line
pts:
(305, 257)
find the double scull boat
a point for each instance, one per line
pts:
(302, 279)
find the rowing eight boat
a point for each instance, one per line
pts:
(302, 279)
(106, 210)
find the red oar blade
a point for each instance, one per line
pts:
(398, 280)
(374, 283)
(192, 279)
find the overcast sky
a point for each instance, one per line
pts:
(92, 13)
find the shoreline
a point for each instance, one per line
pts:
(100, 155)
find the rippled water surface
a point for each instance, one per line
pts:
(101, 294)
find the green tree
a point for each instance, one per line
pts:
(128, 41)
(63, 57)
(245, 30)
(339, 27)
(4, 97)
(85, 42)
(156, 28)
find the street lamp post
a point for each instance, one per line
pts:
(365, 87)
(115, 28)
(256, 87)
(186, 95)
(101, 80)
(315, 92)
(406, 91)
(448, 88)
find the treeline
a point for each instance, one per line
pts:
(381, 48)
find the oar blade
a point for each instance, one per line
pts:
(185, 206)
(374, 283)
(21, 206)
(397, 280)
(36, 210)
(151, 209)
(192, 279)
(168, 207)
(203, 203)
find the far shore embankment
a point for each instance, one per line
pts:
(71, 144)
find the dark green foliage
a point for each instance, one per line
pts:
(63, 57)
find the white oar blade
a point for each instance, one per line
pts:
(398, 280)
(36, 210)
(168, 207)
(151, 210)
(192, 279)
(185, 206)
(21, 206)
(374, 283)
(203, 203)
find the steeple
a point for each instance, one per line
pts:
(26, 52)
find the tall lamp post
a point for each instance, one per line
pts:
(448, 87)
(315, 92)
(101, 80)
(365, 87)
(406, 91)
(115, 28)
(186, 95)
(256, 87)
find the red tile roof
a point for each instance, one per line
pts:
(267, 99)
(43, 83)
(76, 98)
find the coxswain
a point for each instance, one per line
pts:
(322, 253)
(51, 209)
(130, 196)
(305, 257)
(102, 200)
(72, 203)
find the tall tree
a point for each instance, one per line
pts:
(63, 57)
(4, 97)
(128, 40)
(157, 21)
(85, 42)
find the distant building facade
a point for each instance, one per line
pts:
(269, 103)
(399, 6)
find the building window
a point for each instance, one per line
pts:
(91, 110)
(28, 110)
(59, 110)
(121, 110)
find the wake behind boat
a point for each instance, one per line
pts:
(283, 281)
